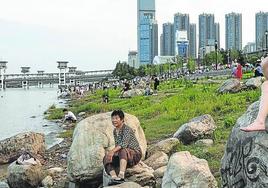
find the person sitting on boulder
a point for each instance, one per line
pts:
(69, 116)
(259, 123)
(126, 153)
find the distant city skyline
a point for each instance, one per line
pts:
(95, 35)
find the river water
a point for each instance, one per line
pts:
(23, 110)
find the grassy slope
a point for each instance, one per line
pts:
(177, 103)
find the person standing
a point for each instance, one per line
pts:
(239, 71)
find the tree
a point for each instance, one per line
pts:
(234, 54)
(124, 71)
(191, 65)
(210, 58)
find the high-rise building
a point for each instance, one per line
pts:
(233, 31)
(167, 43)
(147, 32)
(207, 31)
(261, 26)
(250, 47)
(132, 59)
(192, 45)
(181, 23)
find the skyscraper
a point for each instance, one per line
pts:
(181, 23)
(192, 45)
(167, 44)
(207, 31)
(233, 31)
(147, 32)
(261, 27)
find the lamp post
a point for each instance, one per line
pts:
(3, 67)
(216, 50)
(266, 40)
(203, 50)
(198, 59)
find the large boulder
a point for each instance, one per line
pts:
(253, 83)
(230, 86)
(167, 146)
(140, 174)
(204, 142)
(133, 93)
(198, 128)
(24, 176)
(245, 161)
(157, 160)
(92, 136)
(10, 148)
(185, 170)
(126, 185)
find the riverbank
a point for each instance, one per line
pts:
(177, 102)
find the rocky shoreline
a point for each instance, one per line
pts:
(79, 159)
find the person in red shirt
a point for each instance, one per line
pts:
(239, 71)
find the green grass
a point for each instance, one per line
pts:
(177, 102)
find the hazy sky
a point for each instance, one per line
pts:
(95, 34)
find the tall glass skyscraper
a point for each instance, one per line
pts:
(192, 45)
(209, 32)
(167, 41)
(261, 27)
(147, 32)
(233, 31)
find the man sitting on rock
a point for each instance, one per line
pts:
(126, 153)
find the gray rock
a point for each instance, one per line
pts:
(159, 173)
(140, 174)
(198, 128)
(92, 137)
(133, 93)
(157, 160)
(82, 114)
(253, 83)
(230, 86)
(47, 182)
(11, 148)
(167, 146)
(126, 185)
(185, 170)
(204, 142)
(24, 176)
(245, 160)
(3, 185)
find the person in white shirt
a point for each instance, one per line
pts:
(69, 116)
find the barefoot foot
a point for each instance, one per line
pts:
(255, 126)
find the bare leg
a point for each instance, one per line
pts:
(113, 174)
(123, 167)
(259, 123)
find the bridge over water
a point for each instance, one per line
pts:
(63, 78)
(40, 79)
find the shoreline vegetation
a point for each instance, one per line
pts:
(177, 102)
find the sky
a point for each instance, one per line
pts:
(95, 34)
